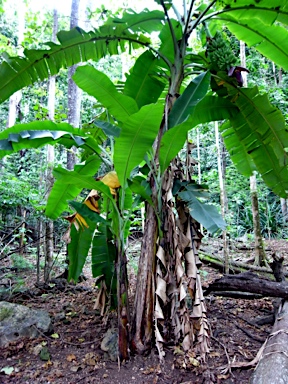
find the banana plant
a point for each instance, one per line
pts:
(169, 91)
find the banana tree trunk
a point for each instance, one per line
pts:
(123, 305)
(142, 321)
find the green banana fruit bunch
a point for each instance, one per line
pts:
(220, 53)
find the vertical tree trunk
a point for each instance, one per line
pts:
(74, 93)
(49, 243)
(284, 210)
(142, 321)
(14, 112)
(260, 256)
(223, 194)
(14, 101)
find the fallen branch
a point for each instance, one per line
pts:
(235, 266)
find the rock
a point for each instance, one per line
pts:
(18, 321)
(110, 344)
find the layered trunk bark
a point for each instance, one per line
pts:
(142, 321)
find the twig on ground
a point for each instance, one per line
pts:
(226, 353)
(256, 338)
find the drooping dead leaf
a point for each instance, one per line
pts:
(92, 201)
(112, 181)
(77, 220)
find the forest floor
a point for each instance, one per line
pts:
(74, 346)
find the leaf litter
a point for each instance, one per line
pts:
(75, 355)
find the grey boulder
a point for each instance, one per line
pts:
(18, 321)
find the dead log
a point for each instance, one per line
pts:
(236, 266)
(273, 365)
(236, 295)
(249, 282)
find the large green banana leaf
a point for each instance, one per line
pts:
(137, 136)
(78, 248)
(266, 10)
(61, 193)
(99, 85)
(74, 46)
(186, 103)
(142, 84)
(261, 129)
(204, 213)
(237, 150)
(39, 133)
(211, 108)
(103, 259)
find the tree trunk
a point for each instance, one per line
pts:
(260, 256)
(284, 210)
(14, 101)
(273, 365)
(168, 277)
(223, 194)
(49, 243)
(74, 93)
(142, 321)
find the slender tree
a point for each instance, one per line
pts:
(74, 93)
(260, 255)
(223, 194)
(49, 248)
(15, 112)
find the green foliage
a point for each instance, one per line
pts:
(101, 87)
(20, 262)
(260, 129)
(205, 214)
(103, 260)
(142, 84)
(37, 134)
(61, 193)
(137, 136)
(78, 248)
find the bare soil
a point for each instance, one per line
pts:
(78, 329)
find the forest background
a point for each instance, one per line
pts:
(23, 174)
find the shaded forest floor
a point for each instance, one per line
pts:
(74, 346)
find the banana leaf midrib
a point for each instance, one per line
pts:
(46, 55)
(264, 116)
(243, 8)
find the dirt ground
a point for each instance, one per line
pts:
(74, 346)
